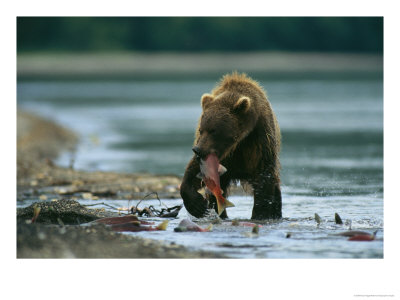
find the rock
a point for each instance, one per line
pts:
(68, 211)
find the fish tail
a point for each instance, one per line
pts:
(163, 225)
(223, 203)
(36, 212)
(229, 203)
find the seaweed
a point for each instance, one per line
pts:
(151, 211)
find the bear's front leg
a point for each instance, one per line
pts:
(194, 202)
(267, 199)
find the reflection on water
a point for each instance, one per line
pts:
(332, 137)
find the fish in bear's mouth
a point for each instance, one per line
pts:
(210, 170)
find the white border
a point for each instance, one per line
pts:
(200, 279)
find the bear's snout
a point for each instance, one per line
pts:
(199, 153)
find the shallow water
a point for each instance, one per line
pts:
(332, 154)
(307, 238)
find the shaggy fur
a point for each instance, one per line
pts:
(239, 126)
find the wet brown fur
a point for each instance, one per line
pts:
(237, 108)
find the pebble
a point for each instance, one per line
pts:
(87, 196)
(171, 189)
(41, 236)
(60, 190)
(41, 175)
(62, 230)
(77, 182)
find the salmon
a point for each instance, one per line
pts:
(352, 233)
(36, 211)
(254, 232)
(122, 220)
(338, 219)
(136, 226)
(317, 218)
(210, 170)
(187, 225)
(363, 237)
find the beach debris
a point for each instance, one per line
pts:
(249, 224)
(137, 226)
(187, 225)
(255, 229)
(210, 170)
(151, 211)
(36, 211)
(363, 237)
(69, 211)
(87, 196)
(357, 235)
(171, 212)
(145, 212)
(236, 222)
(288, 235)
(317, 218)
(338, 219)
(254, 232)
(102, 203)
(122, 220)
(60, 222)
(349, 224)
(216, 221)
(131, 223)
(43, 197)
(163, 225)
(351, 233)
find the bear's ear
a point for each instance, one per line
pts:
(206, 99)
(242, 105)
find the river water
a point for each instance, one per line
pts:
(332, 154)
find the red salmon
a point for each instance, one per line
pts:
(362, 237)
(135, 226)
(210, 171)
(123, 220)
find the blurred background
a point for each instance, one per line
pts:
(131, 88)
(232, 34)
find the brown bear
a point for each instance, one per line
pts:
(238, 126)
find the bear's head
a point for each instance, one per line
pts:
(226, 119)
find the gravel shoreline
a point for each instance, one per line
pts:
(97, 241)
(39, 141)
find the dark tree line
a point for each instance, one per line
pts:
(334, 34)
